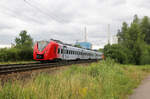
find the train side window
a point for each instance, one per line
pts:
(58, 51)
(63, 51)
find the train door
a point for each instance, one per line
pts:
(64, 52)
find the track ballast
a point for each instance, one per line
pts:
(14, 68)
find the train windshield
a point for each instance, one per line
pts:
(42, 45)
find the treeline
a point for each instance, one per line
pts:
(22, 49)
(133, 43)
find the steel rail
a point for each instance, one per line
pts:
(8, 69)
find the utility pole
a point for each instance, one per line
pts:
(85, 36)
(108, 34)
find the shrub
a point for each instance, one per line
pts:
(118, 53)
(25, 53)
(15, 54)
(145, 57)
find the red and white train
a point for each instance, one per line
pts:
(56, 50)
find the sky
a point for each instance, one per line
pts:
(65, 19)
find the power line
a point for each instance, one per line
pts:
(47, 10)
(56, 18)
(12, 13)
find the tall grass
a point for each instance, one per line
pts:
(103, 80)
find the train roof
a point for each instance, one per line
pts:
(70, 45)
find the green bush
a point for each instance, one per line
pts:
(15, 54)
(145, 57)
(26, 54)
(118, 53)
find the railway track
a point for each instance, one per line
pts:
(14, 68)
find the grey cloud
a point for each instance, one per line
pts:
(4, 26)
(119, 2)
(144, 4)
(6, 39)
(64, 19)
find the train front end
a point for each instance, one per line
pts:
(45, 51)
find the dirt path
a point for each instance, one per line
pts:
(143, 91)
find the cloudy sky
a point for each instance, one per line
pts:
(65, 19)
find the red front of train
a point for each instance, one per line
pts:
(45, 50)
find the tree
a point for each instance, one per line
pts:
(136, 19)
(24, 44)
(122, 33)
(24, 40)
(145, 27)
(135, 41)
(132, 38)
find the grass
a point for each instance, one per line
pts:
(103, 80)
